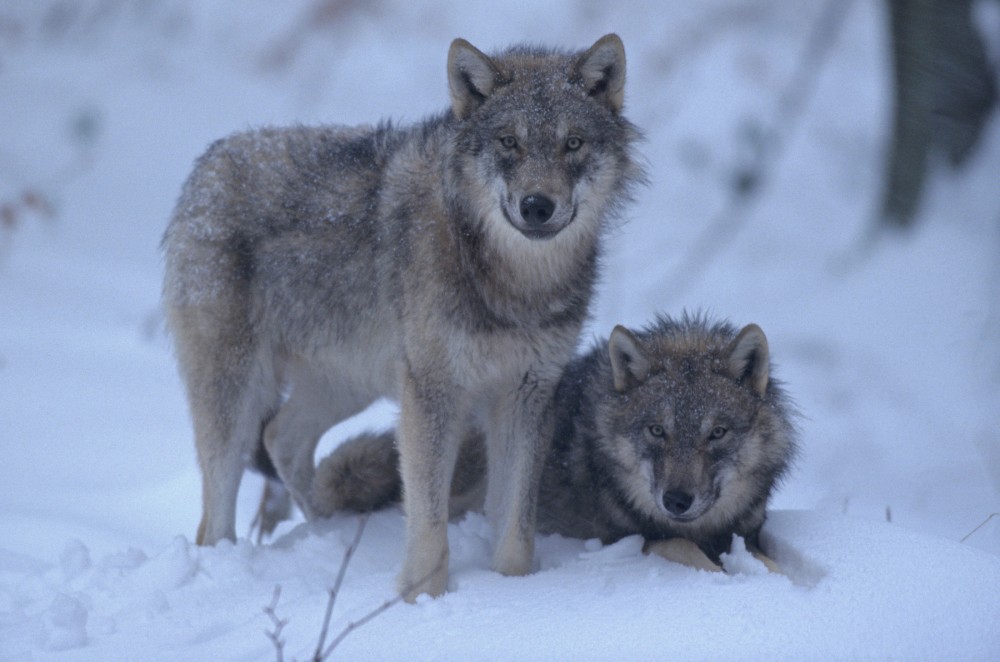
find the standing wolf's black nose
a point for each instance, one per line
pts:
(536, 209)
(676, 502)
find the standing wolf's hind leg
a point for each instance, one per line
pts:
(315, 405)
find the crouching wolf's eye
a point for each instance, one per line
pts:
(574, 143)
(718, 432)
(508, 142)
(657, 431)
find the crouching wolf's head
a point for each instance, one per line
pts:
(696, 430)
(541, 144)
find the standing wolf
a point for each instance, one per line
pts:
(449, 265)
(676, 433)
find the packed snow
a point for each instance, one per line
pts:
(888, 341)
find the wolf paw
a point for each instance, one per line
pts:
(416, 579)
(683, 551)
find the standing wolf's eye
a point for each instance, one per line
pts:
(509, 142)
(574, 143)
(657, 431)
(718, 432)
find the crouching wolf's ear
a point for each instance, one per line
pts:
(472, 77)
(749, 359)
(629, 363)
(601, 71)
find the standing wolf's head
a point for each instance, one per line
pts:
(697, 430)
(541, 144)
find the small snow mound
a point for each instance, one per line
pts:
(800, 569)
(626, 548)
(64, 624)
(470, 543)
(474, 524)
(74, 560)
(172, 568)
(739, 561)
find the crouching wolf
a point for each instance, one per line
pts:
(677, 433)
(448, 265)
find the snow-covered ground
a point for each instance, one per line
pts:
(890, 345)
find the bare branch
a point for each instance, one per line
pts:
(321, 652)
(354, 625)
(279, 625)
(385, 606)
(981, 525)
(348, 553)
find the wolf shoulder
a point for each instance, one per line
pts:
(311, 177)
(305, 218)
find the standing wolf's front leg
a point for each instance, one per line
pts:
(518, 437)
(428, 447)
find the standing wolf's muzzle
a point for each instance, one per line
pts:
(540, 217)
(536, 210)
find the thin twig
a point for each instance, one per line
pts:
(279, 625)
(385, 606)
(348, 553)
(981, 525)
(353, 625)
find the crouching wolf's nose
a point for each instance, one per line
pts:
(536, 209)
(677, 502)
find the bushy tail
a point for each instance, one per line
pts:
(361, 474)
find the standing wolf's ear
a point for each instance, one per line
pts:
(471, 77)
(601, 70)
(749, 358)
(628, 361)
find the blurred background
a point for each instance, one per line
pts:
(828, 169)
